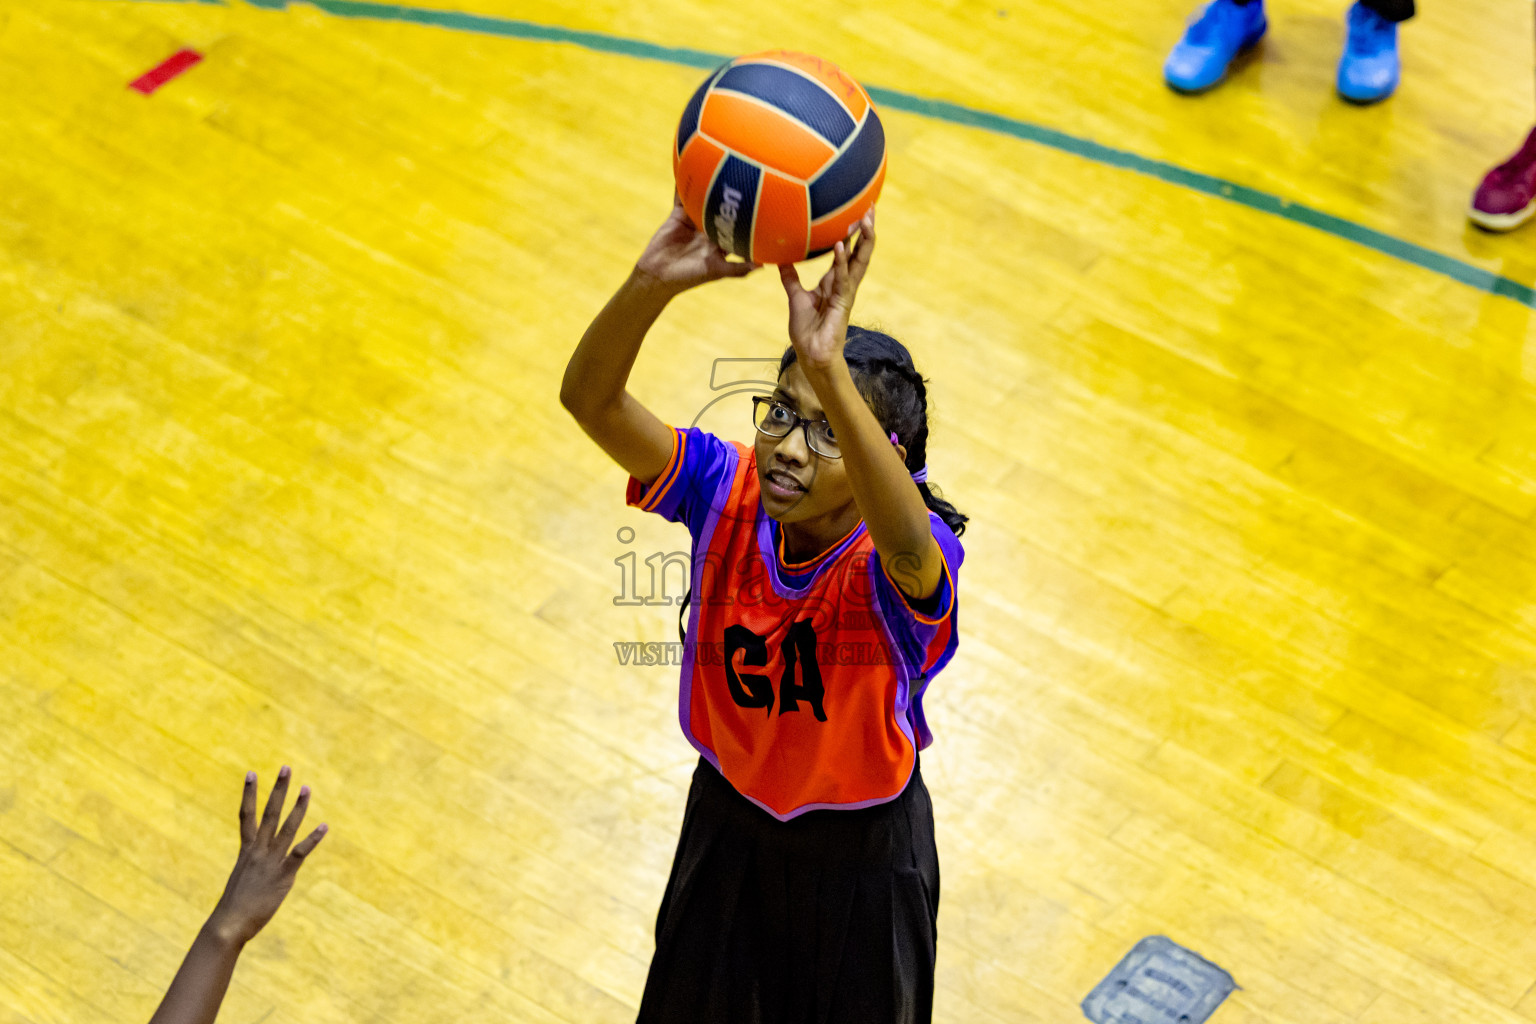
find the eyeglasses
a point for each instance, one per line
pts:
(777, 419)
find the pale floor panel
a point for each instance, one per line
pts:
(1249, 649)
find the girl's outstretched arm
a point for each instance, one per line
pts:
(678, 257)
(889, 501)
(263, 874)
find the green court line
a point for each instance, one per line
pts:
(953, 113)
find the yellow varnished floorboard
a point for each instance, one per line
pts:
(1248, 648)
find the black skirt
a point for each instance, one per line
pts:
(828, 918)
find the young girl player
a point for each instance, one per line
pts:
(806, 881)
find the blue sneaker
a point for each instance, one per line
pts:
(1370, 69)
(1223, 30)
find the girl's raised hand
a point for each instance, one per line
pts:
(818, 320)
(680, 256)
(265, 870)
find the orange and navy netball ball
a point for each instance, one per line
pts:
(778, 155)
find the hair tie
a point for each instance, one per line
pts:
(921, 476)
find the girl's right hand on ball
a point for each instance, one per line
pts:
(680, 256)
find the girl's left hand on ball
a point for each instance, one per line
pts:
(818, 320)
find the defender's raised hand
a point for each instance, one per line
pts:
(263, 875)
(265, 869)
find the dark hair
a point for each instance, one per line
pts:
(897, 394)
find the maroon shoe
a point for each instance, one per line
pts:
(1507, 197)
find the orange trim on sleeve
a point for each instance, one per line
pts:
(647, 500)
(919, 616)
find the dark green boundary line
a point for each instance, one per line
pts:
(953, 113)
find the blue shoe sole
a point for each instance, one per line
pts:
(1366, 100)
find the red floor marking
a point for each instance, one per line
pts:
(158, 76)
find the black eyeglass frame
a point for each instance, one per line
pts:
(800, 421)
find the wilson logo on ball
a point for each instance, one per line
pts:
(778, 155)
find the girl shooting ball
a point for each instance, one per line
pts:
(806, 882)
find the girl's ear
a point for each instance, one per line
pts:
(901, 450)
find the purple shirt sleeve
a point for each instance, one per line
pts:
(687, 489)
(924, 630)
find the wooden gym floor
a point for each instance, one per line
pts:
(1248, 649)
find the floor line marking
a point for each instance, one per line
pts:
(166, 70)
(951, 113)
